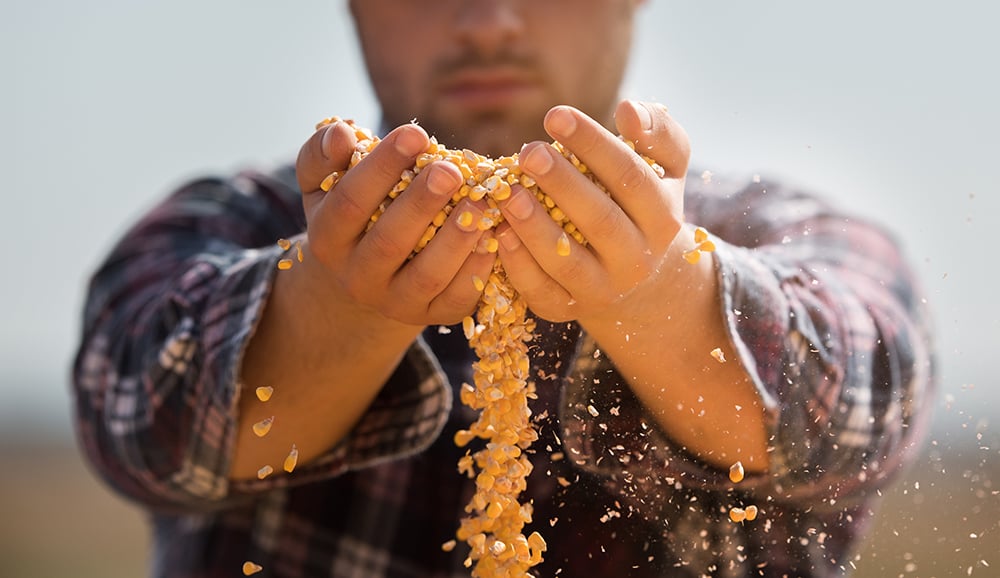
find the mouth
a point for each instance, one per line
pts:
(486, 89)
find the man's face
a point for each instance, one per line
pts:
(481, 74)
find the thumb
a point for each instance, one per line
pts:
(655, 134)
(329, 149)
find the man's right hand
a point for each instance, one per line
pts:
(372, 268)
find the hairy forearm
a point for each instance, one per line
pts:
(660, 339)
(325, 360)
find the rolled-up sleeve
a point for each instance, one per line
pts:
(167, 320)
(827, 319)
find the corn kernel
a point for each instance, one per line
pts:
(448, 546)
(465, 219)
(249, 568)
(264, 393)
(737, 514)
(563, 245)
(751, 513)
(494, 510)
(263, 426)
(478, 283)
(285, 264)
(718, 355)
(298, 251)
(491, 244)
(700, 235)
(692, 256)
(264, 472)
(292, 459)
(736, 472)
(330, 181)
(285, 244)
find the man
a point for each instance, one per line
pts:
(822, 398)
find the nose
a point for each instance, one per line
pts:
(486, 26)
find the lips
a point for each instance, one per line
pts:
(486, 88)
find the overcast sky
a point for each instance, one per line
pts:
(890, 106)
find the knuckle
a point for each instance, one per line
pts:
(382, 245)
(608, 222)
(424, 283)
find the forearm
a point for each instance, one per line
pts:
(660, 339)
(326, 362)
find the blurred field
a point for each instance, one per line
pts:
(941, 520)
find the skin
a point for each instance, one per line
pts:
(347, 314)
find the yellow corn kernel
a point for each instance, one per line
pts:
(700, 235)
(718, 355)
(491, 244)
(264, 393)
(463, 437)
(494, 510)
(469, 327)
(292, 459)
(448, 546)
(478, 283)
(563, 246)
(298, 251)
(557, 214)
(285, 244)
(751, 513)
(736, 472)
(263, 426)
(737, 514)
(707, 246)
(330, 181)
(465, 219)
(285, 264)
(249, 568)
(264, 472)
(692, 256)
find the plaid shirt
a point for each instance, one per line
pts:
(819, 306)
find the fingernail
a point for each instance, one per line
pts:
(521, 205)
(537, 160)
(327, 143)
(562, 121)
(645, 120)
(509, 240)
(410, 142)
(441, 181)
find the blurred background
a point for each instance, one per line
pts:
(890, 107)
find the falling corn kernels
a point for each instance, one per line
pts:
(263, 426)
(737, 514)
(285, 264)
(736, 472)
(285, 244)
(291, 459)
(264, 392)
(499, 334)
(718, 355)
(751, 513)
(692, 256)
(298, 251)
(264, 472)
(448, 546)
(249, 568)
